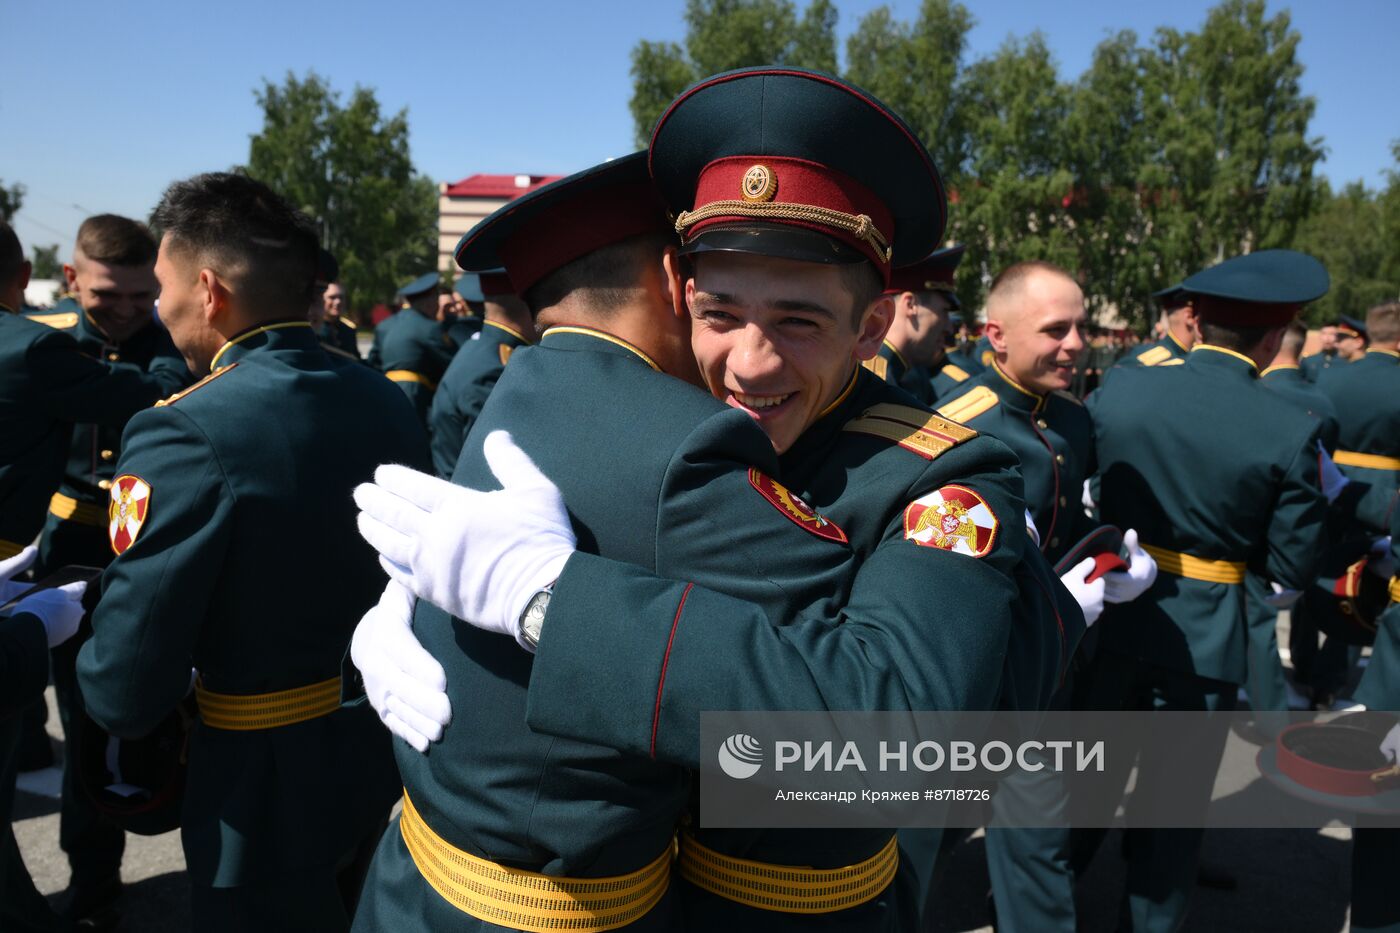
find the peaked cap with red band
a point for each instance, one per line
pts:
(796, 164)
(545, 230)
(1263, 289)
(932, 274)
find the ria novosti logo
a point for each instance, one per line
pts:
(740, 756)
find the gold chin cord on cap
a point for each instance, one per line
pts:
(858, 224)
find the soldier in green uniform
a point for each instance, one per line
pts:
(1225, 477)
(335, 332)
(1312, 365)
(1267, 686)
(218, 524)
(505, 327)
(1035, 320)
(914, 354)
(975, 358)
(112, 279)
(1352, 340)
(334, 301)
(1366, 396)
(863, 468)
(37, 623)
(1183, 333)
(413, 347)
(468, 309)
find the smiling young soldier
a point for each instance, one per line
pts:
(1035, 320)
(784, 306)
(914, 354)
(113, 281)
(218, 523)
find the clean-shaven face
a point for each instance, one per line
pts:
(1044, 332)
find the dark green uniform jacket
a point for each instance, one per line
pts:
(1203, 460)
(46, 385)
(672, 484)
(1316, 364)
(75, 531)
(340, 334)
(1166, 350)
(464, 389)
(1366, 395)
(1289, 382)
(413, 351)
(246, 480)
(1053, 437)
(977, 358)
(890, 365)
(947, 378)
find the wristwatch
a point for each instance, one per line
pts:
(532, 618)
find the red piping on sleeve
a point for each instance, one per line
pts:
(665, 660)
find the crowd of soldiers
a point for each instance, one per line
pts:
(691, 433)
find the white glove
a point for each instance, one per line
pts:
(479, 556)
(1333, 482)
(13, 567)
(60, 610)
(1088, 595)
(1281, 598)
(406, 686)
(1087, 497)
(1124, 586)
(1390, 745)
(1031, 530)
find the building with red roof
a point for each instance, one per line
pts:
(462, 203)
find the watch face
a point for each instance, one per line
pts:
(534, 617)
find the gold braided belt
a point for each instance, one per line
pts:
(408, 375)
(1196, 568)
(787, 889)
(250, 712)
(81, 513)
(1352, 458)
(527, 900)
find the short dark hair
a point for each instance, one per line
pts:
(11, 254)
(240, 228)
(116, 241)
(1383, 322)
(1294, 336)
(1238, 339)
(604, 279)
(864, 283)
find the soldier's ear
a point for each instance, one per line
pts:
(996, 335)
(874, 324)
(215, 295)
(673, 280)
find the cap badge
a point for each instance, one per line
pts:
(759, 184)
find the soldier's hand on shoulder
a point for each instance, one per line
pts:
(405, 685)
(477, 555)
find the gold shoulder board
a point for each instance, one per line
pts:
(205, 381)
(62, 320)
(955, 372)
(966, 407)
(914, 429)
(1068, 396)
(877, 365)
(1174, 361)
(1155, 356)
(346, 322)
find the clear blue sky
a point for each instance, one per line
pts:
(104, 103)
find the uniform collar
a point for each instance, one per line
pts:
(1382, 352)
(892, 353)
(1174, 345)
(586, 338)
(812, 446)
(1012, 392)
(1283, 371)
(274, 335)
(1211, 355)
(508, 329)
(6, 308)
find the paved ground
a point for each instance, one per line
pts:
(1288, 880)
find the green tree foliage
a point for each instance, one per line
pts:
(1165, 156)
(347, 166)
(46, 262)
(11, 200)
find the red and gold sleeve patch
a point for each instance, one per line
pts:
(791, 505)
(127, 512)
(953, 518)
